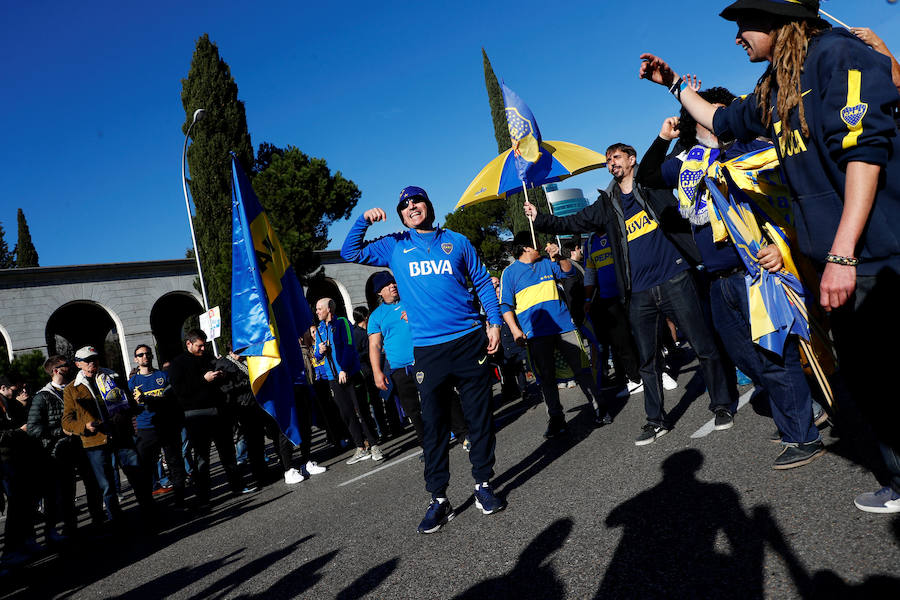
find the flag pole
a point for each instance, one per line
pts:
(550, 208)
(838, 21)
(530, 222)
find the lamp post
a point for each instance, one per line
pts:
(198, 115)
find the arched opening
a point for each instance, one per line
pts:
(170, 319)
(324, 287)
(85, 323)
(6, 353)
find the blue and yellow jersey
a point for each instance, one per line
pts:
(848, 100)
(530, 290)
(599, 268)
(154, 385)
(654, 258)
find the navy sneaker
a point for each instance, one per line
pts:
(649, 434)
(486, 500)
(437, 515)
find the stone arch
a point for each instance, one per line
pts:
(88, 323)
(326, 287)
(7, 342)
(170, 318)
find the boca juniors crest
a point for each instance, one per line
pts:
(447, 247)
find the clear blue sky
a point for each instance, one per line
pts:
(391, 94)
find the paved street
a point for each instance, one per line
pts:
(590, 515)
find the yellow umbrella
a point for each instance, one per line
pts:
(557, 161)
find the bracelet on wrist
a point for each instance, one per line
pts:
(847, 261)
(678, 87)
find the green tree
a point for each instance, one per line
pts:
(210, 86)
(7, 258)
(26, 254)
(516, 218)
(27, 367)
(302, 199)
(483, 224)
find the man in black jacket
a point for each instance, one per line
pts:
(653, 251)
(195, 381)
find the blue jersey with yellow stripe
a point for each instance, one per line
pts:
(848, 100)
(530, 290)
(654, 258)
(599, 267)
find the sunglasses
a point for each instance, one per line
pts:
(89, 359)
(143, 354)
(407, 202)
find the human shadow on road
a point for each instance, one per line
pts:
(533, 575)
(369, 581)
(292, 585)
(580, 428)
(684, 538)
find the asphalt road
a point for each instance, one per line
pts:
(590, 515)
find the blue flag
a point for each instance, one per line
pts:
(269, 312)
(532, 163)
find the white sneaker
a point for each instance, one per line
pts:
(376, 453)
(571, 383)
(292, 476)
(635, 387)
(360, 454)
(313, 468)
(668, 382)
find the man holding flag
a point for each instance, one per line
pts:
(269, 313)
(431, 265)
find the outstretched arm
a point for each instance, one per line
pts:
(376, 252)
(658, 71)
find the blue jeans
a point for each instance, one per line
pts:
(781, 378)
(100, 459)
(678, 300)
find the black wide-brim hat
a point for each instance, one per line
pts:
(791, 9)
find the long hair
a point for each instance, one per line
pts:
(790, 45)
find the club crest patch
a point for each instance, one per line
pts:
(688, 181)
(852, 115)
(160, 381)
(420, 376)
(447, 247)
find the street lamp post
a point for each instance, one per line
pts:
(198, 115)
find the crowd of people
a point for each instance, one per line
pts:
(645, 260)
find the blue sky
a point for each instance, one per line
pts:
(391, 94)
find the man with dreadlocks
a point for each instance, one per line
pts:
(826, 99)
(780, 377)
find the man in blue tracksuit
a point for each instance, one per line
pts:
(833, 127)
(431, 265)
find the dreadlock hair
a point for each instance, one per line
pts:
(789, 47)
(687, 126)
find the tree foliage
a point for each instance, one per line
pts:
(7, 258)
(27, 367)
(302, 197)
(26, 253)
(483, 224)
(209, 85)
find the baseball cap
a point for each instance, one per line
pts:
(85, 352)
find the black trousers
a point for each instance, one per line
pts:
(205, 427)
(348, 404)
(149, 444)
(461, 363)
(612, 328)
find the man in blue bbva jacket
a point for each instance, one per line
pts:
(450, 347)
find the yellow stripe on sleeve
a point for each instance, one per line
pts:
(852, 114)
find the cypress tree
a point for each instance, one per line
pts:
(210, 86)
(516, 220)
(26, 254)
(7, 258)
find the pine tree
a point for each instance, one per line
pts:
(516, 220)
(26, 254)
(7, 258)
(210, 86)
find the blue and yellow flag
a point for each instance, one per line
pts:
(776, 299)
(526, 139)
(269, 312)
